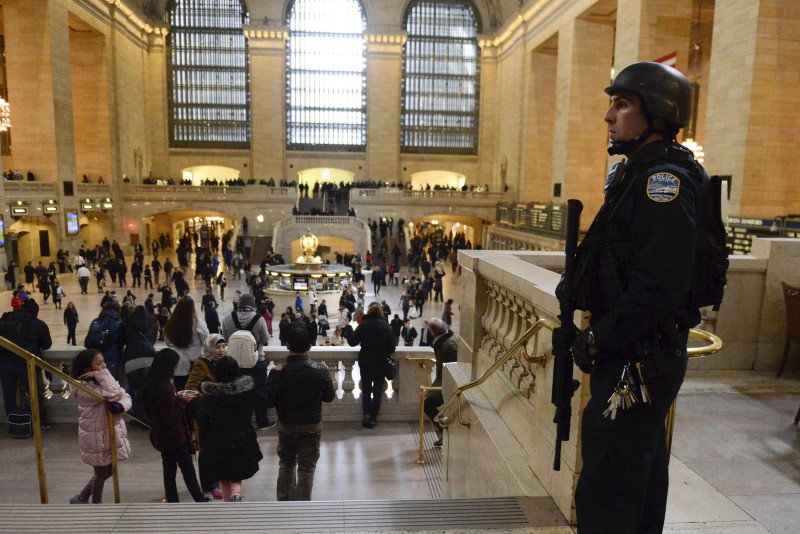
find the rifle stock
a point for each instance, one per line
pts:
(563, 384)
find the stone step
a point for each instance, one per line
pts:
(518, 514)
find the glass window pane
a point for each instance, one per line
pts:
(207, 63)
(441, 77)
(326, 106)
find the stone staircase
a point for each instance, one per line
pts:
(515, 514)
(261, 245)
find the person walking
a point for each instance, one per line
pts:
(447, 313)
(643, 241)
(297, 390)
(169, 429)
(89, 367)
(71, 321)
(377, 343)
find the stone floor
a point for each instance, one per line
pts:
(735, 466)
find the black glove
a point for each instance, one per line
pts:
(580, 350)
(116, 407)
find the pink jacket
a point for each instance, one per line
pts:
(93, 438)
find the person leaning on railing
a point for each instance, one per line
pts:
(446, 350)
(24, 328)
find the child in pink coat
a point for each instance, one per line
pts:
(93, 434)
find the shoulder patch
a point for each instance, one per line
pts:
(663, 187)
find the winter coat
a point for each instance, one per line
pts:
(193, 351)
(299, 389)
(376, 339)
(141, 332)
(169, 428)
(231, 450)
(93, 436)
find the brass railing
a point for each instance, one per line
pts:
(33, 362)
(425, 363)
(442, 418)
(715, 345)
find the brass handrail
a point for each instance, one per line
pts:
(32, 362)
(715, 345)
(421, 361)
(442, 419)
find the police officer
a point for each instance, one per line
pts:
(634, 273)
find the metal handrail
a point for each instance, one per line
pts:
(694, 352)
(441, 418)
(32, 362)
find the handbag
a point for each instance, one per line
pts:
(389, 368)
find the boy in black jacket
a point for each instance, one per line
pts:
(297, 390)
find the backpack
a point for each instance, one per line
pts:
(711, 250)
(242, 343)
(100, 335)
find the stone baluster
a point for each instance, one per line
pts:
(333, 369)
(348, 384)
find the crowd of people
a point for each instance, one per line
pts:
(184, 393)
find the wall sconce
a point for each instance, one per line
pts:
(19, 211)
(107, 206)
(87, 206)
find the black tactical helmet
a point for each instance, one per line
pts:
(666, 93)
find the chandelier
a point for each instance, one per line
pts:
(5, 115)
(696, 148)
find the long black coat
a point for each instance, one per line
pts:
(376, 339)
(231, 450)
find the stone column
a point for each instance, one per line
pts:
(267, 101)
(752, 111)
(650, 29)
(156, 161)
(40, 88)
(580, 139)
(489, 170)
(536, 183)
(384, 77)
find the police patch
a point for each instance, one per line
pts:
(663, 187)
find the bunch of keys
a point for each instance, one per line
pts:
(624, 396)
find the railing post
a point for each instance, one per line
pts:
(112, 438)
(422, 392)
(33, 392)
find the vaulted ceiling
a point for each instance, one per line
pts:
(493, 12)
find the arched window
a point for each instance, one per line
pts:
(326, 87)
(441, 78)
(208, 80)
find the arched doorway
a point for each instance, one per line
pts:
(209, 174)
(33, 239)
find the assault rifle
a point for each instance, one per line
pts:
(563, 384)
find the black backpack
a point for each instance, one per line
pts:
(711, 251)
(100, 335)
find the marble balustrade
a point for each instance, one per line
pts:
(401, 395)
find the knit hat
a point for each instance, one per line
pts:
(247, 300)
(212, 340)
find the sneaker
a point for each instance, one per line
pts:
(77, 500)
(236, 498)
(216, 493)
(207, 497)
(439, 442)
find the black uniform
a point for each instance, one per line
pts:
(634, 272)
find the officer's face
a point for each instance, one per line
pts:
(624, 117)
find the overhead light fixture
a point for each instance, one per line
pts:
(5, 115)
